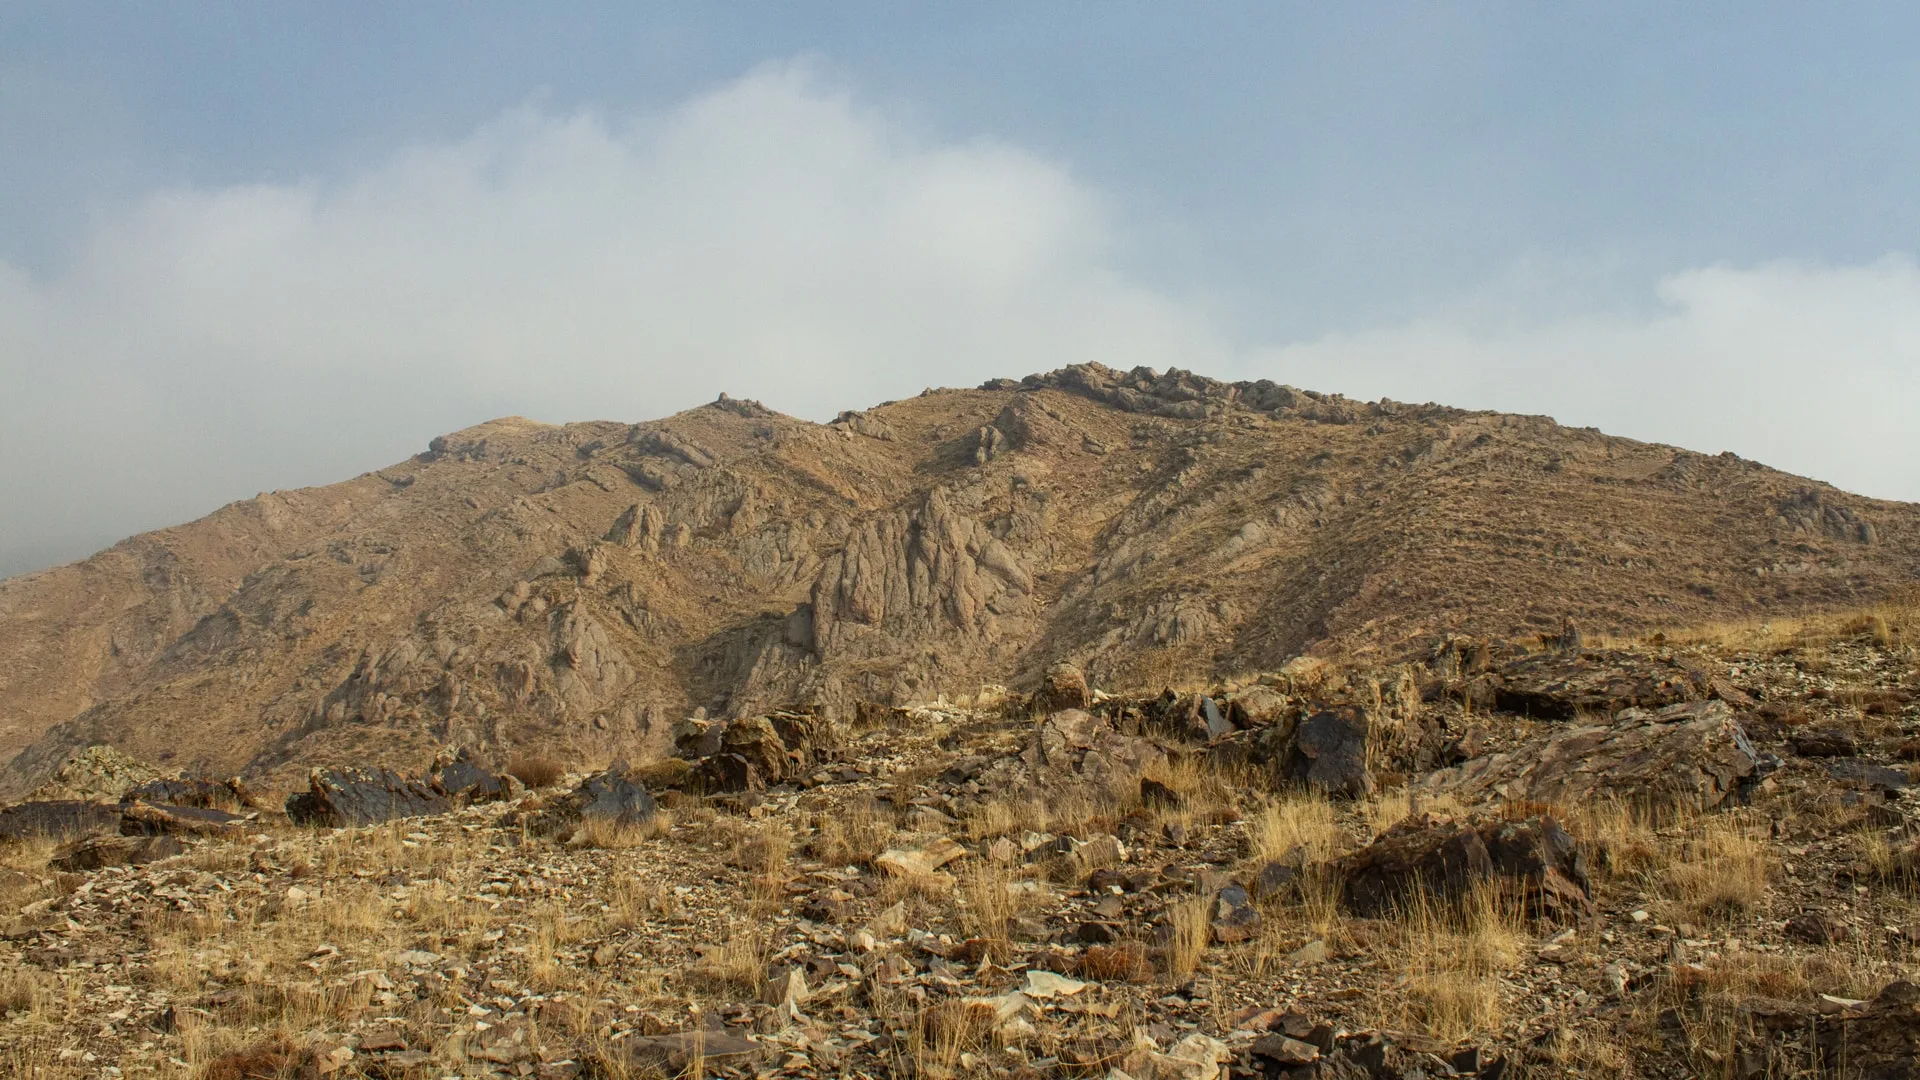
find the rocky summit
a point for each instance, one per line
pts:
(578, 590)
(1135, 726)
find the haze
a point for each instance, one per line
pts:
(254, 248)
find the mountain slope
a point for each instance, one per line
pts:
(580, 588)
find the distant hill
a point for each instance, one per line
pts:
(577, 589)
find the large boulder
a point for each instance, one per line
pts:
(343, 798)
(749, 753)
(1438, 859)
(1693, 755)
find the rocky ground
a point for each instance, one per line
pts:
(1655, 860)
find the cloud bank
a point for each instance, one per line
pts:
(780, 239)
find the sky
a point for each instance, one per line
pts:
(247, 247)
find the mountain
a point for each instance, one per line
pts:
(578, 589)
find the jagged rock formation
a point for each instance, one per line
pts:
(581, 589)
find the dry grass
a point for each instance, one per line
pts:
(991, 897)
(1390, 808)
(1891, 624)
(536, 771)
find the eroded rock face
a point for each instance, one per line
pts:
(1444, 861)
(460, 778)
(1566, 685)
(98, 772)
(1693, 755)
(1064, 687)
(748, 753)
(342, 798)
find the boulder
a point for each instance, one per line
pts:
(56, 819)
(1329, 753)
(749, 753)
(1823, 743)
(1234, 917)
(343, 798)
(613, 797)
(1693, 755)
(1445, 861)
(1063, 687)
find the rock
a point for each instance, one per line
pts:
(1879, 1042)
(749, 753)
(1446, 861)
(456, 775)
(612, 797)
(1155, 794)
(889, 923)
(1212, 721)
(1196, 1057)
(1693, 755)
(1329, 752)
(1823, 743)
(1234, 916)
(56, 819)
(788, 985)
(348, 797)
(1063, 687)
(1257, 706)
(144, 819)
(93, 853)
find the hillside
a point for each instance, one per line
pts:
(578, 589)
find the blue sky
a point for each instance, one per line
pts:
(257, 246)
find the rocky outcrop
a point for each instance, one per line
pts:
(612, 798)
(1693, 755)
(748, 753)
(98, 772)
(56, 819)
(1560, 686)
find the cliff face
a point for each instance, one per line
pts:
(580, 588)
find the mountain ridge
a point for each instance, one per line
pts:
(580, 587)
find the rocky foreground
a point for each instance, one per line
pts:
(1498, 862)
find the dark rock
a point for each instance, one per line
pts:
(612, 797)
(1329, 752)
(1880, 1043)
(1285, 1051)
(1823, 743)
(1540, 854)
(1234, 916)
(147, 819)
(343, 798)
(96, 852)
(56, 819)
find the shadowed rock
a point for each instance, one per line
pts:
(1428, 858)
(146, 819)
(1329, 752)
(457, 776)
(612, 797)
(56, 819)
(229, 795)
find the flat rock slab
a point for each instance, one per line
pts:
(146, 819)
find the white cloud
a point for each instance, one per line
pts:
(776, 239)
(1812, 369)
(773, 239)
